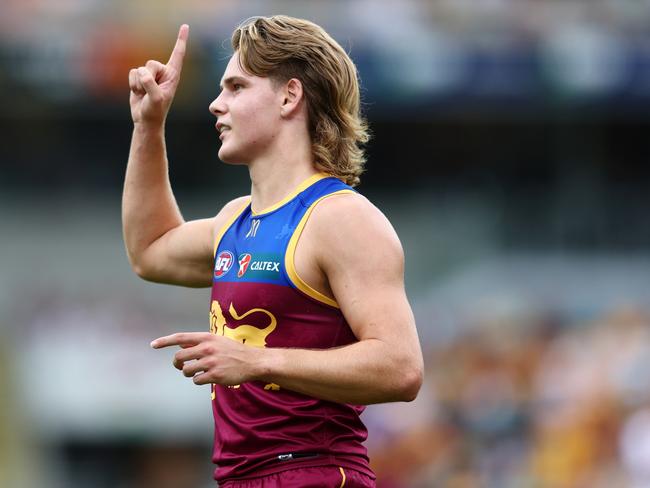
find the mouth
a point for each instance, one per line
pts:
(222, 129)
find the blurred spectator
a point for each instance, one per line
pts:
(559, 407)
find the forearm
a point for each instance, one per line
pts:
(149, 208)
(366, 372)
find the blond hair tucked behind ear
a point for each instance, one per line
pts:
(283, 48)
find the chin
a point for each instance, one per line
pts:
(230, 158)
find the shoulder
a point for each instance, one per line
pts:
(234, 205)
(353, 216)
(228, 211)
(352, 231)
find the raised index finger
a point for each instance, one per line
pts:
(176, 58)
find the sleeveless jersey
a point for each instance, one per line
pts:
(259, 299)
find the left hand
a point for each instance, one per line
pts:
(209, 358)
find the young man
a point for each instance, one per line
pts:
(308, 316)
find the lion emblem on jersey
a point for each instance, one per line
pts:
(244, 333)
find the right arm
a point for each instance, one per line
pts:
(160, 245)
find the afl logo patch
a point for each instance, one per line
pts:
(244, 261)
(223, 263)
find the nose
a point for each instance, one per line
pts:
(218, 107)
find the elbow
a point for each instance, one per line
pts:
(412, 385)
(140, 271)
(138, 267)
(146, 274)
(410, 382)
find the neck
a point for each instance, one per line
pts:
(279, 171)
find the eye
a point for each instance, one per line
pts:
(237, 86)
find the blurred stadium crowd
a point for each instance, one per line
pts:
(542, 402)
(511, 153)
(406, 49)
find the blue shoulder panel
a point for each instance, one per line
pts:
(253, 248)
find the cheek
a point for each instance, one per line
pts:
(259, 123)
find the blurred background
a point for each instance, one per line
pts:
(511, 153)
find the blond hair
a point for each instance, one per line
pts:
(282, 48)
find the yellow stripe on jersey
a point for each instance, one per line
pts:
(289, 258)
(299, 189)
(343, 476)
(224, 228)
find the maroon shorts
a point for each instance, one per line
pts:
(316, 477)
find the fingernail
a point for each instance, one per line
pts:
(153, 344)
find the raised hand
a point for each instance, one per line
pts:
(153, 85)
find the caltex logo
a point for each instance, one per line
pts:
(223, 263)
(244, 261)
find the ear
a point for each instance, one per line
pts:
(292, 97)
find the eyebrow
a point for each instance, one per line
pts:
(231, 80)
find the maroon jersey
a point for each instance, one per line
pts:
(258, 299)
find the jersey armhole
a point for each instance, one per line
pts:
(224, 228)
(289, 257)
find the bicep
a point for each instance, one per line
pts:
(370, 291)
(182, 256)
(364, 264)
